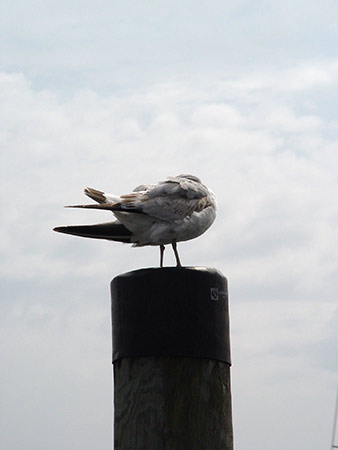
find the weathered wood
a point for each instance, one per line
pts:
(171, 354)
(172, 403)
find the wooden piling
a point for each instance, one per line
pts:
(171, 355)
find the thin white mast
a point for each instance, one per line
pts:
(335, 424)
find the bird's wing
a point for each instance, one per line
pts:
(169, 200)
(179, 187)
(174, 198)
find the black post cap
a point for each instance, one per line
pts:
(172, 311)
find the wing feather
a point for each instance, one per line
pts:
(169, 200)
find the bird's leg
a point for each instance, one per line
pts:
(161, 254)
(174, 245)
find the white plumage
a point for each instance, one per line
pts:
(177, 209)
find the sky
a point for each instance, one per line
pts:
(116, 94)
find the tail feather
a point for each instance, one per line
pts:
(112, 231)
(109, 206)
(96, 195)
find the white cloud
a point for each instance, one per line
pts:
(272, 163)
(302, 77)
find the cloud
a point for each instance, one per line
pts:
(270, 158)
(305, 76)
(127, 44)
(270, 165)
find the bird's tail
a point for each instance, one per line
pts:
(107, 206)
(115, 207)
(96, 195)
(101, 197)
(112, 231)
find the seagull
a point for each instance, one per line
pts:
(177, 209)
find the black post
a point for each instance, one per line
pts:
(171, 355)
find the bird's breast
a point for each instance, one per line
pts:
(184, 229)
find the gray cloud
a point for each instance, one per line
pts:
(270, 158)
(106, 45)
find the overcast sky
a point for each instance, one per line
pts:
(114, 94)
